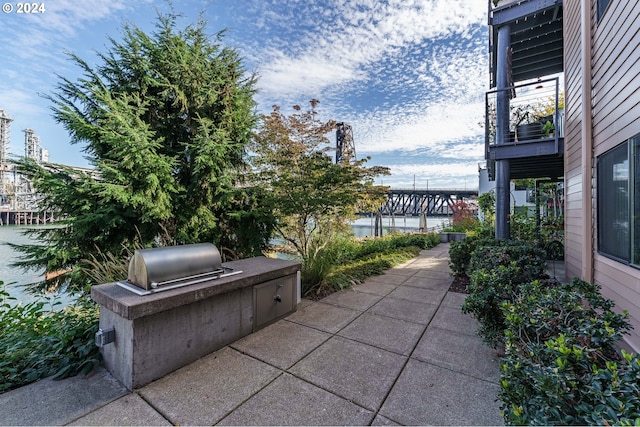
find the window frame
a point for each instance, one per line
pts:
(601, 8)
(632, 251)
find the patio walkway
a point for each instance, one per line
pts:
(396, 350)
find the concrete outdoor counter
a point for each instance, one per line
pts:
(152, 335)
(130, 306)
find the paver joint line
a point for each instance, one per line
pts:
(158, 410)
(409, 358)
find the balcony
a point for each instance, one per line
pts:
(536, 37)
(535, 144)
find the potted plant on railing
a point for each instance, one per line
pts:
(526, 123)
(547, 126)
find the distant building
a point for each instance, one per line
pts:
(520, 198)
(44, 155)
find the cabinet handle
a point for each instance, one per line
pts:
(277, 298)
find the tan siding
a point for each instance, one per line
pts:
(619, 128)
(573, 207)
(625, 293)
(616, 101)
(616, 112)
(612, 34)
(573, 86)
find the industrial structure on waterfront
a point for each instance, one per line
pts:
(18, 199)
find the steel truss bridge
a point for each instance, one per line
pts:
(414, 202)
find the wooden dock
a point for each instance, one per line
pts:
(26, 217)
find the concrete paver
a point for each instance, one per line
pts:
(452, 319)
(451, 349)
(432, 264)
(417, 312)
(267, 344)
(432, 273)
(429, 283)
(383, 421)
(411, 293)
(398, 336)
(426, 394)
(388, 278)
(374, 287)
(396, 350)
(129, 410)
(49, 402)
(325, 317)
(292, 401)
(351, 299)
(453, 300)
(205, 391)
(402, 270)
(347, 368)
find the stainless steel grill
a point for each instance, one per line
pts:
(157, 269)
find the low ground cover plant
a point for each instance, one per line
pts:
(37, 341)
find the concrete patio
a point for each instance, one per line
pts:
(395, 350)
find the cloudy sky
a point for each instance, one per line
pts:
(409, 76)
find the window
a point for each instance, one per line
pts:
(619, 203)
(602, 7)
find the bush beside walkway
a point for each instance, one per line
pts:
(560, 364)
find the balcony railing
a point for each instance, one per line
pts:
(536, 120)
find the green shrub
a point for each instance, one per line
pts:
(522, 226)
(561, 367)
(496, 273)
(488, 289)
(530, 259)
(36, 343)
(460, 252)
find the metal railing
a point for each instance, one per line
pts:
(536, 112)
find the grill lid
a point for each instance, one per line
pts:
(169, 267)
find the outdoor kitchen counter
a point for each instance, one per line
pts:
(132, 306)
(144, 337)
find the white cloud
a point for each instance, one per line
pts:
(408, 75)
(425, 60)
(356, 36)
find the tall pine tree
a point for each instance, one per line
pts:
(164, 119)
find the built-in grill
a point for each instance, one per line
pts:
(159, 269)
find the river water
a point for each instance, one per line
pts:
(14, 278)
(364, 227)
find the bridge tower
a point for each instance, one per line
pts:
(31, 145)
(345, 147)
(5, 125)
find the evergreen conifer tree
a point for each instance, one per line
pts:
(164, 119)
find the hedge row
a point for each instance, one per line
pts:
(560, 364)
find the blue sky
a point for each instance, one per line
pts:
(409, 76)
